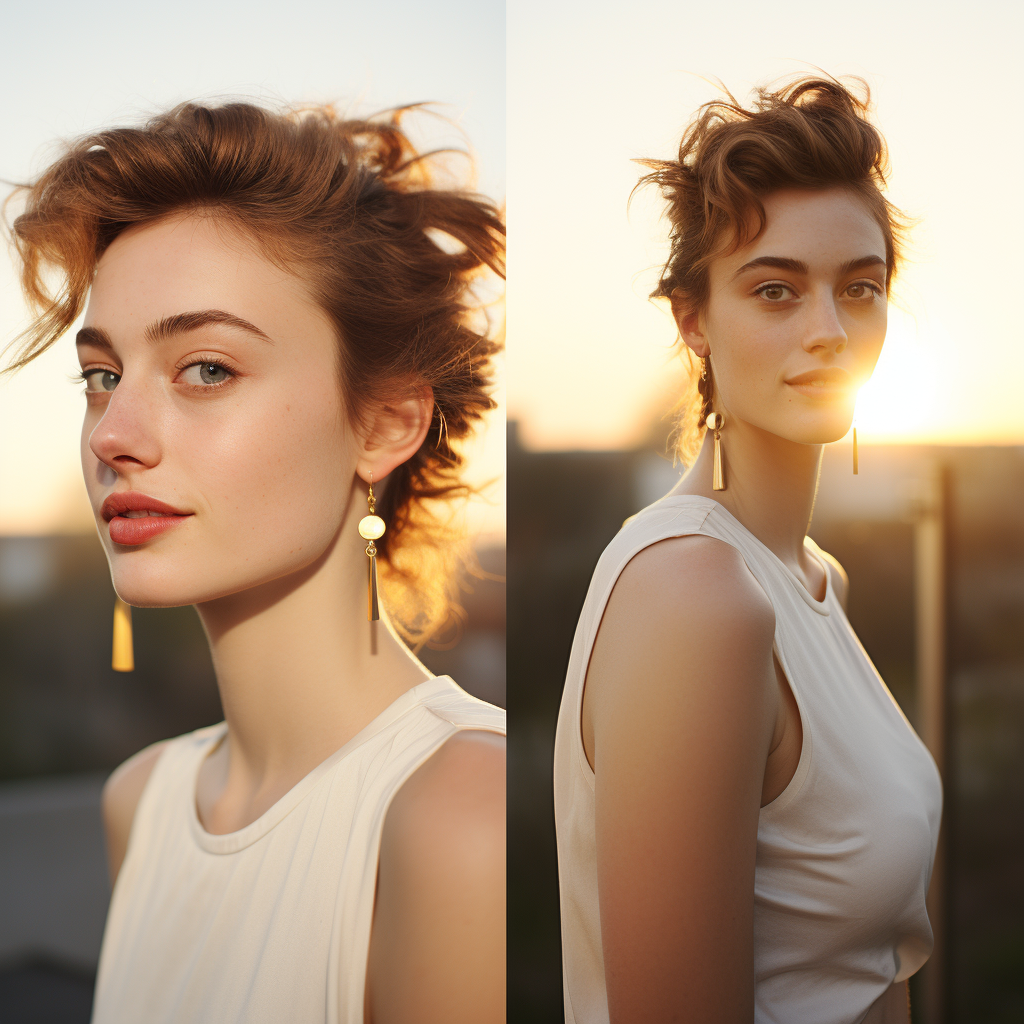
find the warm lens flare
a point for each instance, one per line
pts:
(905, 400)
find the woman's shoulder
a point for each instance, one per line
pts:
(684, 612)
(124, 787)
(694, 579)
(439, 918)
(457, 794)
(444, 831)
(121, 794)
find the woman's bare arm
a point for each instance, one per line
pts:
(437, 947)
(683, 702)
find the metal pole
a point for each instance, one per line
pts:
(930, 620)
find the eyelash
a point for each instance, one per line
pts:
(86, 372)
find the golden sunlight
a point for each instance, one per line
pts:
(907, 398)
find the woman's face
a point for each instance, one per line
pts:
(796, 319)
(212, 391)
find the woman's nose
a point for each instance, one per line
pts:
(824, 331)
(126, 434)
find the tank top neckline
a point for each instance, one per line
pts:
(209, 738)
(822, 606)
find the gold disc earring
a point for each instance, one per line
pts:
(371, 528)
(123, 659)
(715, 422)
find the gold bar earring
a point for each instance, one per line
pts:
(855, 463)
(715, 422)
(371, 528)
(123, 659)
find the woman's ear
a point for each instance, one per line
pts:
(397, 429)
(688, 320)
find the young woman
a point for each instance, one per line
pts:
(746, 821)
(279, 342)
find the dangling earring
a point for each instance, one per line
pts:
(715, 422)
(855, 462)
(123, 659)
(371, 528)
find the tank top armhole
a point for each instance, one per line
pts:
(803, 764)
(690, 528)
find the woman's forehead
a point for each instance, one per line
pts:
(187, 262)
(823, 229)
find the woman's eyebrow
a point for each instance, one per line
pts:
(862, 263)
(799, 267)
(179, 323)
(182, 322)
(778, 262)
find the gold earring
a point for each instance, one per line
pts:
(855, 463)
(715, 422)
(371, 528)
(123, 659)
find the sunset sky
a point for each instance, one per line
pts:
(593, 86)
(85, 67)
(590, 87)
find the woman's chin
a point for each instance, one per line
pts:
(822, 431)
(143, 598)
(165, 593)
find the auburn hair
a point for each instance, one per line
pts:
(390, 253)
(811, 133)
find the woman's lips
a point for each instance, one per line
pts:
(826, 382)
(125, 530)
(135, 517)
(822, 390)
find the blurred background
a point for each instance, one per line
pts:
(66, 719)
(931, 531)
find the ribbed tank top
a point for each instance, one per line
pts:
(270, 923)
(844, 853)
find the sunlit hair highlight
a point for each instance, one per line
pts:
(810, 133)
(391, 248)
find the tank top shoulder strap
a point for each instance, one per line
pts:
(168, 792)
(453, 705)
(678, 516)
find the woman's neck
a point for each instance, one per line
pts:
(770, 486)
(300, 672)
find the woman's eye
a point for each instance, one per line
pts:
(206, 373)
(100, 380)
(775, 292)
(860, 290)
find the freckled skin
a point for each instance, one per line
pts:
(239, 457)
(824, 319)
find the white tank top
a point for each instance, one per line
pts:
(844, 853)
(270, 923)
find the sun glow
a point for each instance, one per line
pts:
(907, 397)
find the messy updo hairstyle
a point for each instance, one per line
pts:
(389, 242)
(811, 133)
